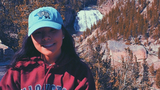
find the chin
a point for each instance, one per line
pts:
(47, 53)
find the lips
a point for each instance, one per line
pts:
(48, 45)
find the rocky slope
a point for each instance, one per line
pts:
(146, 51)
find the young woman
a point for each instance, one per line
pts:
(47, 59)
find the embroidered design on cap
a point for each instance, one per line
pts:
(42, 14)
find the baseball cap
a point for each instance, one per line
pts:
(44, 17)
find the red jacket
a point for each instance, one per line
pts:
(35, 74)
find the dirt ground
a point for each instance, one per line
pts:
(2, 71)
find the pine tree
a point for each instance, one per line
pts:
(158, 78)
(151, 69)
(145, 27)
(128, 74)
(145, 78)
(159, 53)
(88, 31)
(100, 68)
(137, 41)
(123, 63)
(97, 84)
(84, 34)
(136, 68)
(156, 33)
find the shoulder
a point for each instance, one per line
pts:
(79, 67)
(82, 72)
(28, 63)
(83, 65)
(77, 63)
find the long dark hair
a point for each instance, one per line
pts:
(28, 50)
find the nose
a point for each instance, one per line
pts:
(45, 36)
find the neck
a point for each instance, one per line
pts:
(51, 59)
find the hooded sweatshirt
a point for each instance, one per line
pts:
(34, 74)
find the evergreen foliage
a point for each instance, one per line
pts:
(99, 66)
(159, 53)
(127, 20)
(151, 69)
(14, 15)
(145, 80)
(158, 78)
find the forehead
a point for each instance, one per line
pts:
(45, 28)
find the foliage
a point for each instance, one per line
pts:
(100, 67)
(158, 78)
(151, 69)
(159, 53)
(127, 20)
(129, 75)
(14, 15)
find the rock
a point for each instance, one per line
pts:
(69, 20)
(6, 53)
(117, 51)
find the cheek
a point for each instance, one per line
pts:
(35, 42)
(37, 45)
(58, 36)
(58, 39)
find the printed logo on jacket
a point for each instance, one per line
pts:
(47, 87)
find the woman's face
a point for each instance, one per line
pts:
(48, 41)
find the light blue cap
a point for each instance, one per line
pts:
(44, 17)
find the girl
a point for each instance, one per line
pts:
(47, 59)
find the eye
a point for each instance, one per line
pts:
(37, 33)
(53, 30)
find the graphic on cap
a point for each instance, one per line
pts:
(42, 14)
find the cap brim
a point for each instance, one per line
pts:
(44, 24)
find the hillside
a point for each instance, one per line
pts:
(14, 15)
(123, 49)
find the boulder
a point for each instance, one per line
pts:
(6, 53)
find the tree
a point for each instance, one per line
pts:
(158, 78)
(137, 41)
(159, 53)
(100, 68)
(127, 78)
(145, 27)
(136, 68)
(88, 31)
(145, 79)
(151, 69)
